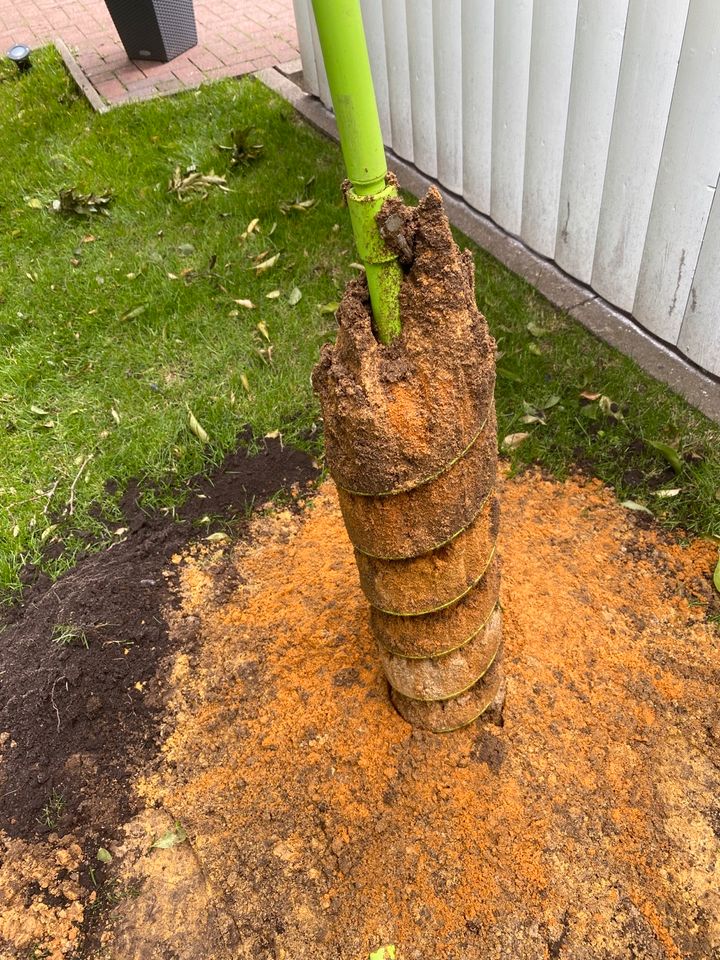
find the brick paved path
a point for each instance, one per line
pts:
(234, 37)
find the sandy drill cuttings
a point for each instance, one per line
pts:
(587, 827)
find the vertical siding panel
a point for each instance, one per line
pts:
(422, 83)
(551, 60)
(448, 65)
(372, 14)
(653, 39)
(478, 27)
(398, 71)
(511, 71)
(686, 181)
(700, 333)
(596, 63)
(303, 16)
(323, 87)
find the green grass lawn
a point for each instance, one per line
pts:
(113, 329)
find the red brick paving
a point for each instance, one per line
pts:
(234, 37)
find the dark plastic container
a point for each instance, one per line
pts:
(154, 29)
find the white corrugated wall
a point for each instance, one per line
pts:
(588, 128)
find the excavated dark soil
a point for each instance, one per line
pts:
(76, 719)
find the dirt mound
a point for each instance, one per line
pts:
(587, 827)
(411, 442)
(81, 676)
(395, 416)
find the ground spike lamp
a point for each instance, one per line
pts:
(410, 432)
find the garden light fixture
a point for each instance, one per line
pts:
(20, 56)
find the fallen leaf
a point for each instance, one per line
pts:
(273, 435)
(103, 855)
(330, 307)
(39, 412)
(217, 536)
(115, 415)
(35, 203)
(508, 374)
(245, 382)
(716, 575)
(171, 838)
(248, 304)
(303, 202)
(590, 397)
(267, 264)
(72, 201)
(263, 330)
(134, 312)
(535, 330)
(668, 493)
(670, 454)
(301, 205)
(196, 428)
(47, 531)
(386, 952)
(358, 266)
(610, 408)
(241, 150)
(273, 295)
(513, 440)
(638, 507)
(192, 184)
(295, 296)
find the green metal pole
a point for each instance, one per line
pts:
(342, 39)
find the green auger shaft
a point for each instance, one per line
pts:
(342, 39)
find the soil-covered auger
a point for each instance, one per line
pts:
(409, 417)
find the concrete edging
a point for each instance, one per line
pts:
(84, 84)
(581, 302)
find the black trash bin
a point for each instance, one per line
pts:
(154, 29)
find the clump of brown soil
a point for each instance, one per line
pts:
(587, 827)
(397, 415)
(42, 901)
(164, 907)
(411, 442)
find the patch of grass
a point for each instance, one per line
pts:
(67, 634)
(109, 894)
(115, 329)
(636, 435)
(52, 812)
(124, 351)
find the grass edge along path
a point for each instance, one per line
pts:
(139, 344)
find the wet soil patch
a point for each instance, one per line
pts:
(81, 659)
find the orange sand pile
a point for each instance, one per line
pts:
(587, 827)
(41, 898)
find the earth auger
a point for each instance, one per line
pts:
(409, 417)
